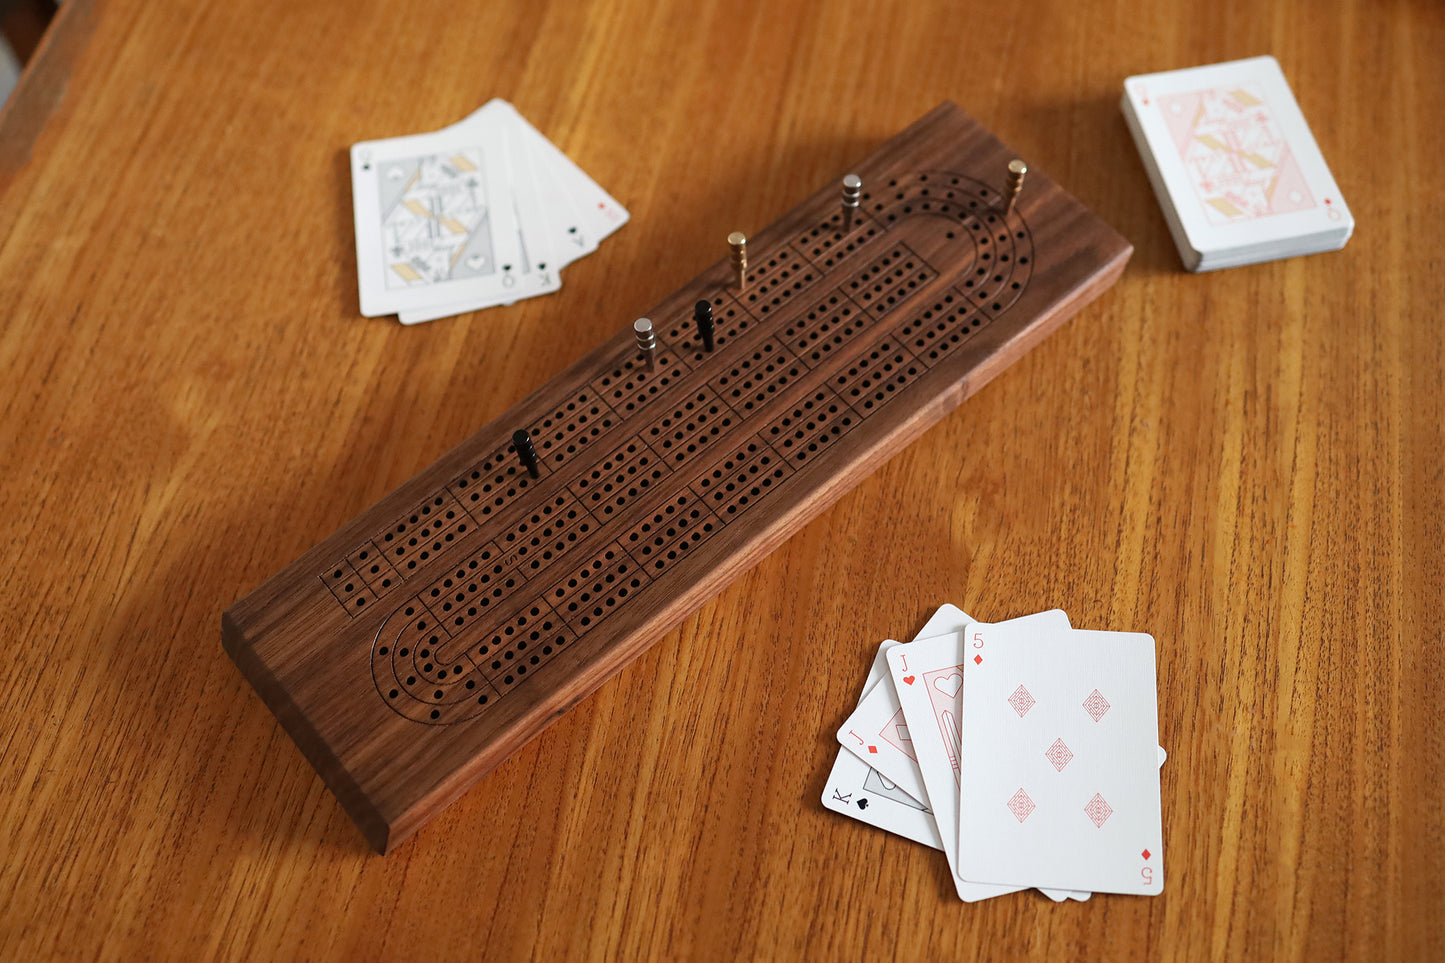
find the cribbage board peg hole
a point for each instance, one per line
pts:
(738, 244)
(706, 327)
(852, 195)
(522, 441)
(1017, 170)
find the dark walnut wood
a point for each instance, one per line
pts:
(440, 630)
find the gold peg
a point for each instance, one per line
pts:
(1016, 171)
(739, 244)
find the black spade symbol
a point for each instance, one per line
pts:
(863, 804)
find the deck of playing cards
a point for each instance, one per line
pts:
(481, 213)
(1234, 165)
(1028, 751)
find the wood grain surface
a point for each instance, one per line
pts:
(1246, 464)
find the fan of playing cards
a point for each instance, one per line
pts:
(481, 213)
(1028, 751)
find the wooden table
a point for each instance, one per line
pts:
(1247, 464)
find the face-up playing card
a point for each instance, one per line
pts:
(538, 240)
(561, 212)
(854, 789)
(928, 678)
(583, 212)
(1242, 172)
(1060, 759)
(435, 222)
(878, 734)
(597, 209)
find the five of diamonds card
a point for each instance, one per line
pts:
(1027, 751)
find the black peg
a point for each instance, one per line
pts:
(523, 443)
(702, 314)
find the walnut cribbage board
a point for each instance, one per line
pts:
(443, 628)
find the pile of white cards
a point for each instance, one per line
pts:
(1232, 161)
(481, 213)
(1027, 751)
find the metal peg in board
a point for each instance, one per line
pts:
(852, 194)
(646, 340)
(1016, 171)
(738, 244)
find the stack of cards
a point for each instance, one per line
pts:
(484, 212)
(1234, 165)
(1027, 751)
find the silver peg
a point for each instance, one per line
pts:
(646, 340)
(852, 193)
